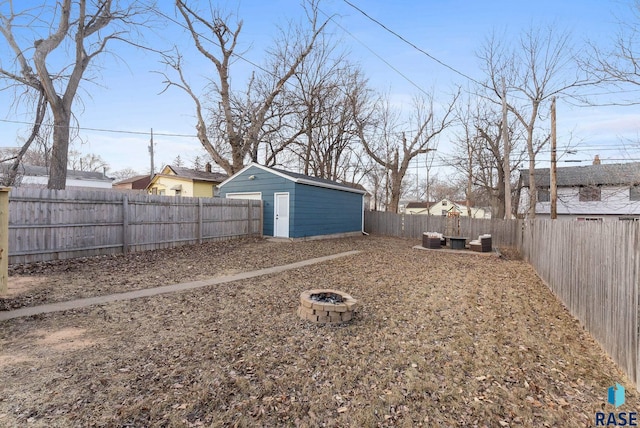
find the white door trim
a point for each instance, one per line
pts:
(280, 226)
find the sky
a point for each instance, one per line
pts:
(126, 100)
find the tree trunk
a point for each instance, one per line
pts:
(396, 188)
(60, 149)
(533, 193)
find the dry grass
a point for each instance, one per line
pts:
(438, 340)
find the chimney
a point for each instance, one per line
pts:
(207, 167)
(596, 160)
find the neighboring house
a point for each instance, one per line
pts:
(38, 176)
(138, 182)
(417, 207)
(593, 192)
(445, 206)
(179, 181)
(296, 205)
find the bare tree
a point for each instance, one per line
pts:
(324, 85)
(89, 162)
(542, 65)
(78, 33)
(123, 174)
(237, 123)
(9, 178)
(479, 152)
(393, 147)
(621, 63)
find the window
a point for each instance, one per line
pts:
(589, 219)
(590, 194)
(444, 203)
(634, 193)
(629, 218)
(544, 195)
(444, 213)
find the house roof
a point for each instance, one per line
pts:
(193, 174)
(421, 205)
(589, 175)
(300, 178)
(138, 181)
(42, 171)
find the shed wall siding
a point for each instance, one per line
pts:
(320, 211)
(268, 184)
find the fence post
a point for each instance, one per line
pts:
(125, 225)
(200, 221)
(261, 225)
(4, 239)
(249, 217)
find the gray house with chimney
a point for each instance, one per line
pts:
(600, 192)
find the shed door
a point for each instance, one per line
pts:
(281, 213)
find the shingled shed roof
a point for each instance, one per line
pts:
(301, 179)
(589, 175)
(322, 182)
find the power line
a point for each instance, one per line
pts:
(114, 131)
(376, 55)
(412, 44)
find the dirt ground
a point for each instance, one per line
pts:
(439, 339)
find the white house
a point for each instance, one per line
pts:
(593, 192)
(443, 207)
(38, 176)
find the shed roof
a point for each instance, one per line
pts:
(589, 175)
(300, 178)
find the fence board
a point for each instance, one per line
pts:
(50, 225)
(592, 267)
(504, 232)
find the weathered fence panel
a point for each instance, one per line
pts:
(504, 232)
(594, 269)
(49, 225)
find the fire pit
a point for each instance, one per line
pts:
(326, 306)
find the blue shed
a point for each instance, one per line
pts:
(296, 205)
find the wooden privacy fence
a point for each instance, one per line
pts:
(61, 224)
(503, 232)
(594, 269)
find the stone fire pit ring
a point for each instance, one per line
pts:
(326, 306)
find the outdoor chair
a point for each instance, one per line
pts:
(483, 244)
(431, 240)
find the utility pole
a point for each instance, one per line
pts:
(417, 181)
(506, 165)
(553, 179)
(153, 169)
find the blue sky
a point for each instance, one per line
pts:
(127, 97)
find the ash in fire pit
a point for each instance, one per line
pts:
(327, 298)
(326, 306)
